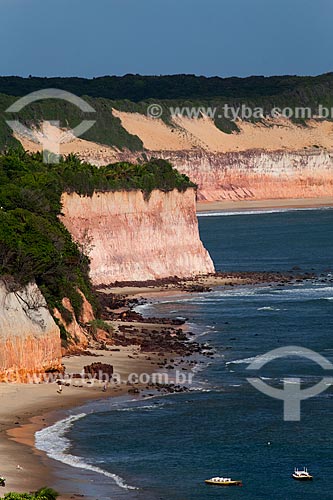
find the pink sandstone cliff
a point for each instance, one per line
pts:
(77, 334)
(129, 238)
(29, 338)
(252, 175)
(273, 160)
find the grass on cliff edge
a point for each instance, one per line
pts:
(34, 244)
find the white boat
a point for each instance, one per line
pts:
(302, 475)
(223, 481)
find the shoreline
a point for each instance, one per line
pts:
(33, 407)
(264, 205)
(20, 420)
(179, 286)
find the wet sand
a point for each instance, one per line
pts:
(137, 290)
(238, 206)
(28, 408)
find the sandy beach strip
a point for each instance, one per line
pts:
(27, 408)
(178, 288)
(287, 203)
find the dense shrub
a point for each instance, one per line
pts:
(138, 88)
(34, 244)
(134, 93)
(42, 494)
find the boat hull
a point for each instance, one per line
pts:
(226, 483)
(298, 478)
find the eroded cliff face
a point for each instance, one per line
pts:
(129, 238)
(273, 160)
(29, 337)
(253, 175)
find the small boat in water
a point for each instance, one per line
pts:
(223, 481)
(302, 475)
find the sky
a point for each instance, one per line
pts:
(204, 37)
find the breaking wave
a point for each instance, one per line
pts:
(53, 441)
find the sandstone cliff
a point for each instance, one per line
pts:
(77, 335)
(130, 238)
(255, 174)
(29, 337)
(272, 160)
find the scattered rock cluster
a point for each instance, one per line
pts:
(99, 371)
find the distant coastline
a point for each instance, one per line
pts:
(264, 205)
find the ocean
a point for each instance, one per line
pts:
(164, 447)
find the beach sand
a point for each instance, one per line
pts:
(26, 408)
(178, 287)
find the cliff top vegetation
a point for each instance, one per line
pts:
(34, 244)
(134, 93)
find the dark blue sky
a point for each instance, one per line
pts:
(204, 37)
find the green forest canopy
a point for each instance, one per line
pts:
(34, 244)
(138, 87)
(134, 93)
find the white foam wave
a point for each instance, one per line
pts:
(268, 308)
(200, 367)
(245, 361)
(54, 442)
(198, 335)
(138, 408)
(259, 211)
(309, 291)
(265, 358)
(221, 294)
(143, 308)
(199, 389)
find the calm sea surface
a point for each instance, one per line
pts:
(166, 446)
